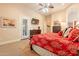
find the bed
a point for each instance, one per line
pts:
(41, 51)
(52, 44)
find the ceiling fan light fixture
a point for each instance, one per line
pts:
(45, 10)
(48, 4)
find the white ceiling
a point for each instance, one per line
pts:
(35, 7)
(57, 7)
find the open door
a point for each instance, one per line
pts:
(25, 28)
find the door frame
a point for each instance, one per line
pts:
(28, 27)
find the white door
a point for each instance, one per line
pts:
(25, 28)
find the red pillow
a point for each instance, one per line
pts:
(73, 34)
(76, 39)
(60, 33)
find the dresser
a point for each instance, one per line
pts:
(56, 29)
(34, 32)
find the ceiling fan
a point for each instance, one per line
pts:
(45, 6)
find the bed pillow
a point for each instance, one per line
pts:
(76, 39)
(60, 33)
(73, 34)
(66, 32)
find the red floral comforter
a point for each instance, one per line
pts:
(56, 44)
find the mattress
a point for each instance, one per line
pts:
(42, 51)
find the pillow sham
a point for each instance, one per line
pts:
(76, 39)
(73, 34)
(66, 32)
(60, 33)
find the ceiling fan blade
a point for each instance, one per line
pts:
(40, 9)
(51, 5)
(45, 5)
(41, 4)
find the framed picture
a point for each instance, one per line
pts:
(6, 22)
(35, 21)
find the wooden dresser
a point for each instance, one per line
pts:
(34, 32)
(56, 29)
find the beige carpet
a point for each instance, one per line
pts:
(20, 48)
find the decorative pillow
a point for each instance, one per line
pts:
(76, 39)
(66, 32)
(73, 34)
(60, 33)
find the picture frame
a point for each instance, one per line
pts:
(35, 21)
(7, 22)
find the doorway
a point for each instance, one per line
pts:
(25, 28)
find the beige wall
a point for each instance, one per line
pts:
(48, 24)
(17, 12)
(73, 6)
(62, 15)
(59, 16)
(75, 9)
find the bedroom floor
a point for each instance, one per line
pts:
(20, 48)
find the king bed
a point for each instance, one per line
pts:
(41, 51)
(55, 44)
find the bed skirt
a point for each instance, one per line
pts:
(42, 51)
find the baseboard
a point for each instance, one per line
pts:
(9, 42)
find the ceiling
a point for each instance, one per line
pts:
(57, 7)
(35, 7)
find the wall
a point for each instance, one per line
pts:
(47, 24)
(61, 17)
(17, 12)
(73, 13)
